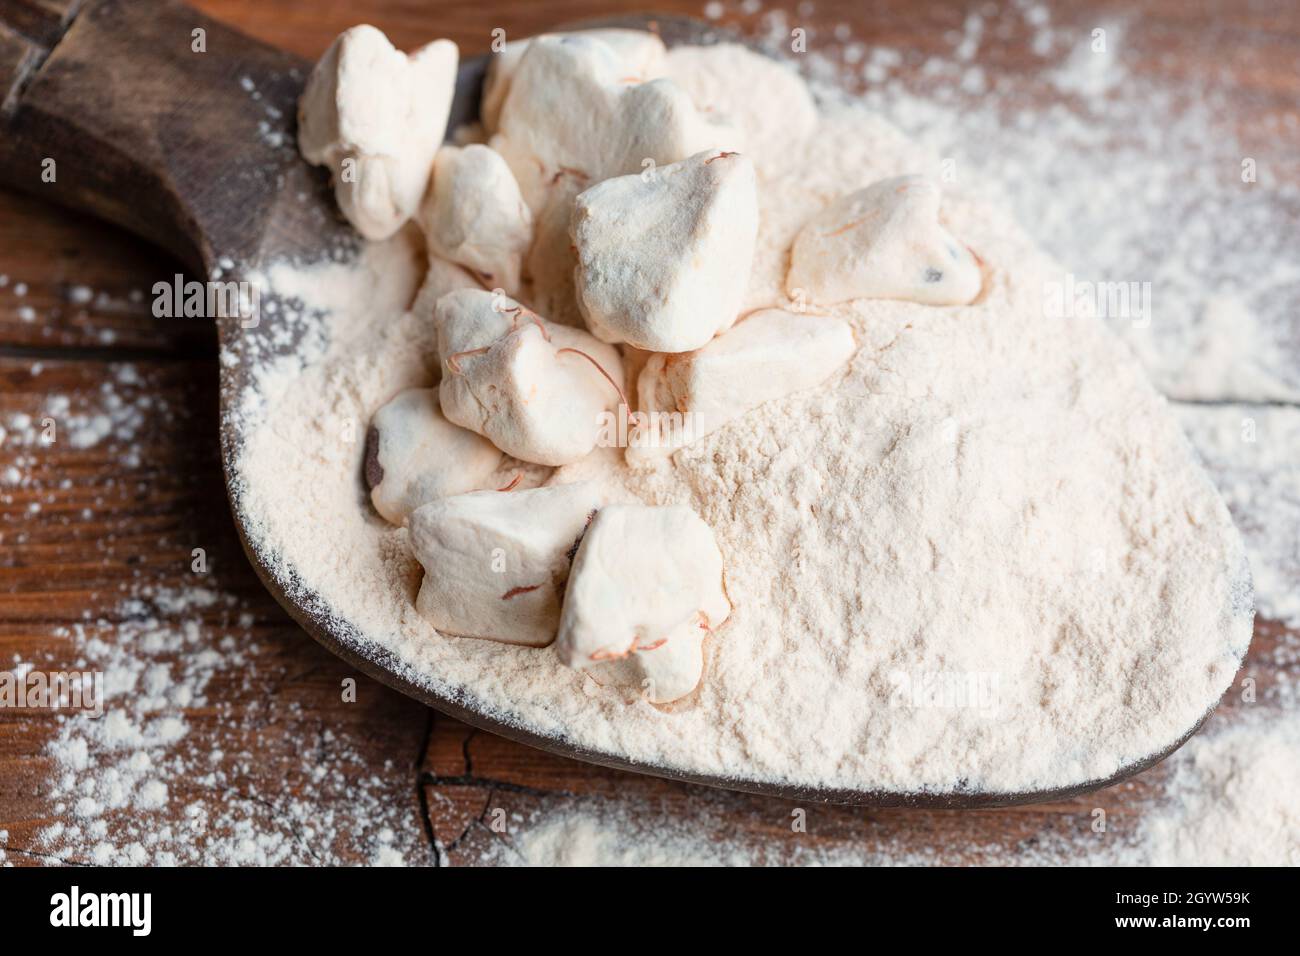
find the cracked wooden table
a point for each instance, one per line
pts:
(97, 536)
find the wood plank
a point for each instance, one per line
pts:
(41, 21)
(85, 286)
(111, 545)
(18, 59)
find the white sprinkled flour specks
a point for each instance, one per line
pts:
(1253, 454)
(205, 753)
(1226, 799)
(143, 785)
(1208, 217)
(107, 415)
(919, 521)
(1230, 799)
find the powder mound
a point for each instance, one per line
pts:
(983, 557)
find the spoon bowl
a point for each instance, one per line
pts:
(195, 151)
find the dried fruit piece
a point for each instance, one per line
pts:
(414, 455)
(883, 242)
(664, 257)
(539, 391)
(571, 111)
(496, 562)
(770, 354)
(376, 117)
(551, 260)
(640, 56)
(645, 590)
(665, 671)
(765, 98)
(474, 216)
(440, 278)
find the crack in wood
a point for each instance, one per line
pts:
(474, 783)
(45, 857)
(464, 751)
(501, 838)
(276, 814)
(422, 793)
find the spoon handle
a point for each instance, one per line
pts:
(152, 116)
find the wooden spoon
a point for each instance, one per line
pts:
(157, 118)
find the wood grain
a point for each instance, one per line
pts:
(40, 21)
(170, 142)
(88, 528)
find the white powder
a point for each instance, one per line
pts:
(638, 835)
(1125, 176)
(1226, 799)
(135, 787)
(1253, 453)
(985, 493)
(1217, 249)
(114, 415)
(175, 770)
(1231, 800)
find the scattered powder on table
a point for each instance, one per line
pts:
(172, 772)
(1227, 799)
(1230, 800)
(135, 787)
(1122, 173)
(1253, 454)
(983, 492)
(115, 412)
